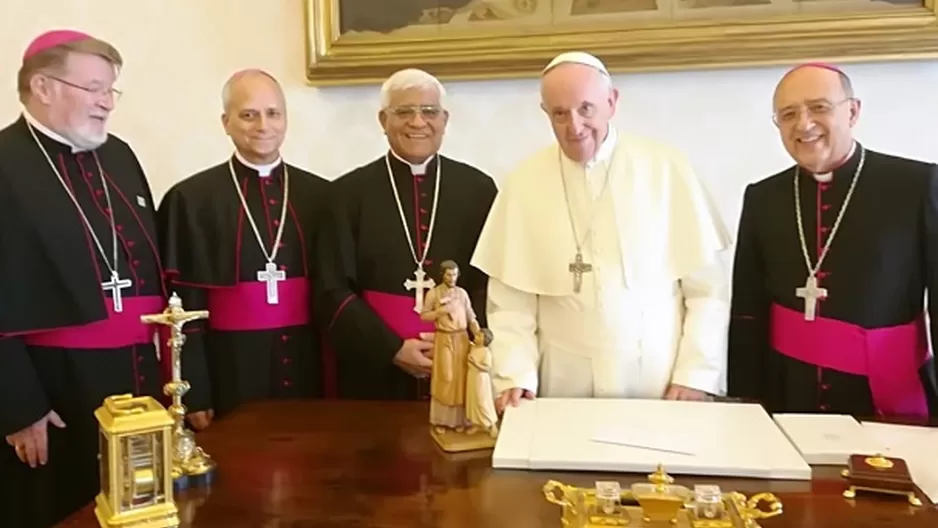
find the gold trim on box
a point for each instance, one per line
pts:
(896, 33)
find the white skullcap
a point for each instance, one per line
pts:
(577, 57)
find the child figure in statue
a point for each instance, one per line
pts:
(480, 401)
(448, 306)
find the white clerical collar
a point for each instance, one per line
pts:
(46, 131)
(826, 177)
(262, 170)
(416, 169)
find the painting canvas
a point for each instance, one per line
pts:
(356, 41)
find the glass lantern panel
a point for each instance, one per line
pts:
(104, 459)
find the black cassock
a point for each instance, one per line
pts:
(363, 301)
(63, 345)
(866, 352)
(253, 350)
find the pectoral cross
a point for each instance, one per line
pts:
(811, 293)
(420, 284)
(271, 275)
(115, 285)
(578, 268)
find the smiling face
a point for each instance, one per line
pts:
(76, 99)
(580, 102)
(255, 117)
(815, 117)
(414, 122)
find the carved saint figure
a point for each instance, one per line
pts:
(448, 306)
(480, 399)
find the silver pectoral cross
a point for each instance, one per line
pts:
(271, 275)
(420, 284)
(578, 268)
(811, 294)
(115, 285)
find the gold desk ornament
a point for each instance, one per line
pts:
(879, 474)
(135, 464)
(657, 503)
(191, 465)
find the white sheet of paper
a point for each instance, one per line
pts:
(827, 439)
(644, 437)
(917, 446)
(590, 434)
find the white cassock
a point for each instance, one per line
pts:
(655, 308)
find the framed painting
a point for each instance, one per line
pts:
(364, 41)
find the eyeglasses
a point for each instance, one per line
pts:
(408, 112)
(100, 92)
(814, 109)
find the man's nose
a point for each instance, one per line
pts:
(576, 125)
(804, 121)
(418, 121)
(107, 102)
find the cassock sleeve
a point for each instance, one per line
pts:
(172, 225)
(931, 254)
(512, 318)
(350, 325)
(701, 356)
(22, 399)
(749, 311)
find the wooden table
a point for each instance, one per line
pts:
(364, 464)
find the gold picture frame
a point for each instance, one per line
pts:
(497, 51)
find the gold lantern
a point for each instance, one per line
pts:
(135, 460)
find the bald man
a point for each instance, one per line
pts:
(833, 261)
(603, 257)
(237, 240)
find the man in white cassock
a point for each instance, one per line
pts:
(603, 257)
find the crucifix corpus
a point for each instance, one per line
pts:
(811, 294)
(271, 275)
(578, 268)
(420, 284)
(115, 285)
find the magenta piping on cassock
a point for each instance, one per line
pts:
(118, 330)
(244, 306)
(889, 357)
(397, 311)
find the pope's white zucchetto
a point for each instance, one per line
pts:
(577, 57)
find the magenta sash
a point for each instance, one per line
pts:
(398, 312)
(889, 357)
(119, 330)
(244, 306)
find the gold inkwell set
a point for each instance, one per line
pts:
(658, 503)
(146, 452)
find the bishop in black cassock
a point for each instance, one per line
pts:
(854, 341)
(70, 331)
(409, 205)
(259, 340)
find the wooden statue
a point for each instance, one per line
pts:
(480, 400)
(450, 309)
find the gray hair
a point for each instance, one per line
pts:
(408, 79)
(237, 76)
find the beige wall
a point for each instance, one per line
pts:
(179, 52)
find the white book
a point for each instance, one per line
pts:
(634, 436)
(827, 439)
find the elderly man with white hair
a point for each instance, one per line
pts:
(236, 239)
(603, 257)
(393, 222)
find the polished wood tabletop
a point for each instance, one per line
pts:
(372, 464)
